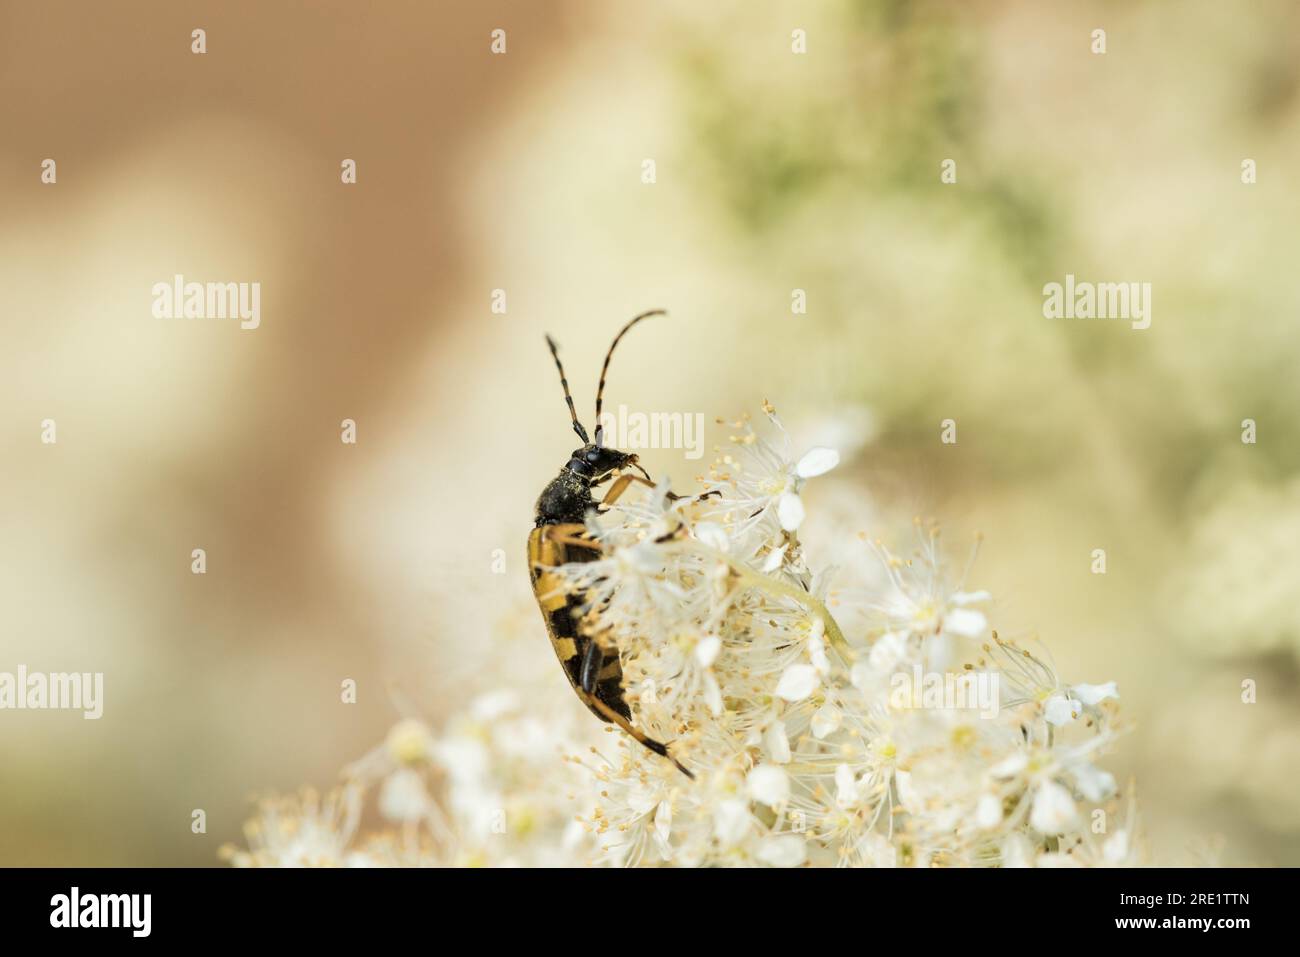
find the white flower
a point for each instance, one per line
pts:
(486, 707)
(1061, 710)
(774, 560)
(988, 812)
(663, 826)
(713, 695)
(797, 682)
(1010, 766)
(816, 462)
(409, 741)
(785, 851)
(966, 622)
(1017, 851)
(1115, 849)
(731, 821)
(1093, 783)
(874, 850)
(827, 719)
(887, 651)
(713, 535)
(768, 784)
(706, 650)
(817, 647)
(1092, 695)
(777, 742)
(849, 790)
(767, 480)
(789, 506)
(302, 831)
(1053, 810)
(790, 511)
(907, 795)
(403, 796)
(721, 621)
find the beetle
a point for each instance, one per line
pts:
(559, 536)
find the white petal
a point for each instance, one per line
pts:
(862, 675)
(706, 650)
(789, 509)
(1094, 783)
(777, 743)
(786, 850)
(1010, 766)
(1091, 694)
(797, 682)
(403, 796)
(1017, 851)
(713, 535)
(1054, 811)
(969, 597)
(663, 825)
(731, 821)
(465, 759)
(965, 622)
(906, 793)
(774, 559)
(661, 528)
(988, 812)
(876, 851)
(1061, 710)
(494, 704)
(1115, 850)
(887, 651)
(574, 835)
(817, 647)
(816, 462)
(846, 792)
(642, 800)
(643, 558)
(712, 694)
(826, 720)
(768, 784)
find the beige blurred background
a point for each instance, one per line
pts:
(522, 172)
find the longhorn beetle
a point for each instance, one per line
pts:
(560, 536)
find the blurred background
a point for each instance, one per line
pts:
(382, 561)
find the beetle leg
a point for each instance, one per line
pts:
(614, 717)
(593, 661)
(623, 481)
(570, 533)
(698, 498)
(619, 487)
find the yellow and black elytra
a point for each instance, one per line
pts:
(560, 537)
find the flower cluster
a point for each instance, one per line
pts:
(917, 737)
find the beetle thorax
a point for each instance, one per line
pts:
(565, 500)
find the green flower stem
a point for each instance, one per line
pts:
(776, 587)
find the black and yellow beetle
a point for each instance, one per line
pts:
(560, 537)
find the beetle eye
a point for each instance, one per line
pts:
(593, 455)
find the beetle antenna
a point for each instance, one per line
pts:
(573, 413)
(600, 389)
